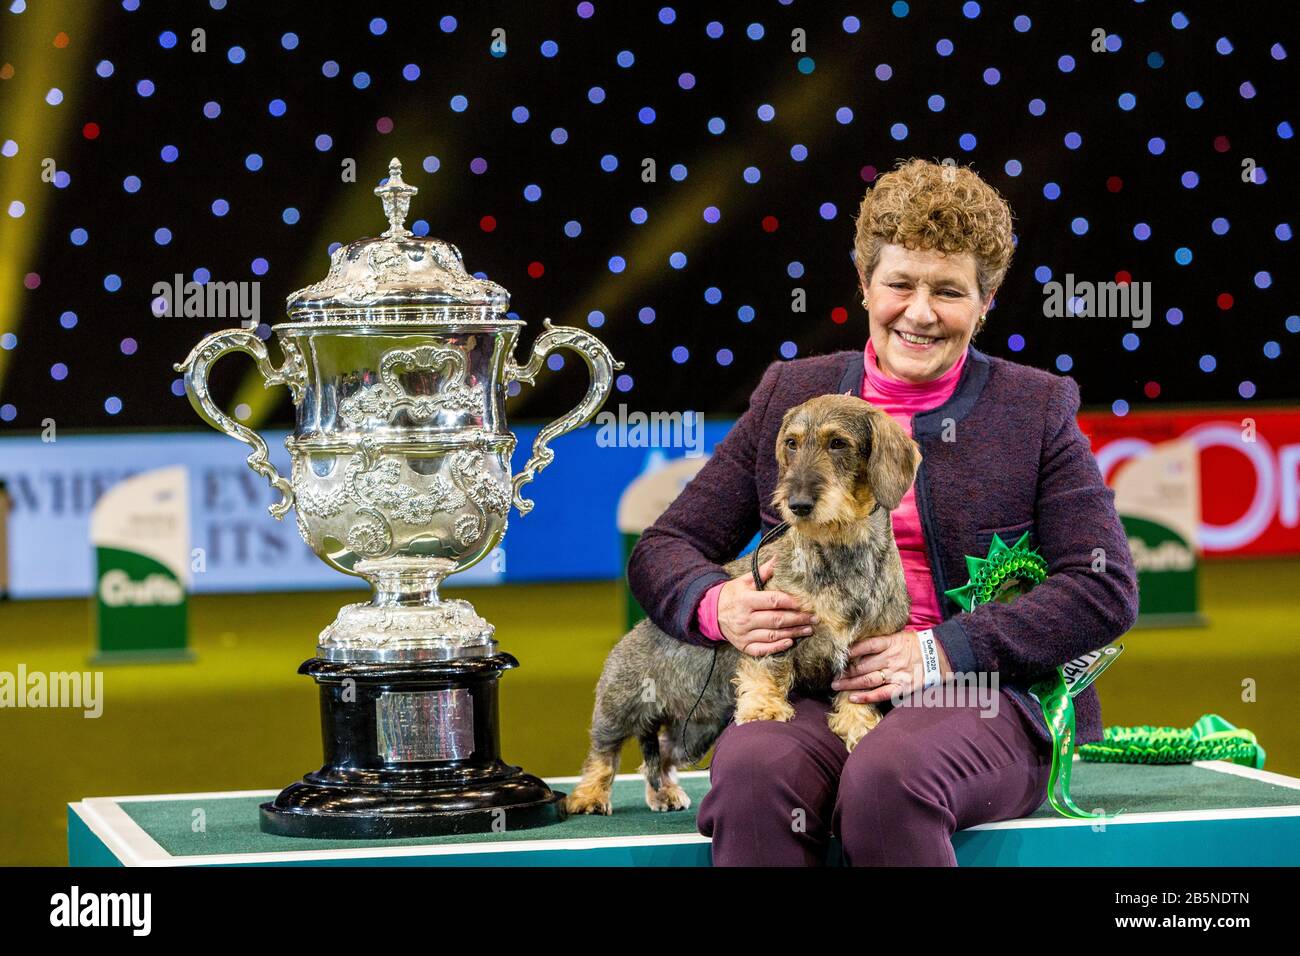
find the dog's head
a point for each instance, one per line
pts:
(837, 458)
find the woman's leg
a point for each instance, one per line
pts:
(925, 772)
(772, 786)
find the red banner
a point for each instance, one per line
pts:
(1249, 462)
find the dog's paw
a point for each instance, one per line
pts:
(769, 708)
(587, 802)
(851, 722)
(670, 796)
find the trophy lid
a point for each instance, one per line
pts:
(397, 269)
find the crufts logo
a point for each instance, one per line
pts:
(103, 909)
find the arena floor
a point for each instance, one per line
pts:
(240, 718)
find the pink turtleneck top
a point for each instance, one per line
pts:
(901, 400)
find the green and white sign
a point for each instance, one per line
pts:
(1158, 500)
(140, 532)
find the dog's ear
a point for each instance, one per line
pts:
(894, 460)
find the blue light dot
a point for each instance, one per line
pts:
(162, 235)
(1223, 45)
(1037, 107)
(798, 152)
(549, 48)
(1207, 363)
(1022, 23)
(625, 58)
(713, 295)
(1016, 342)
(178, 387)
(1272, 350)
(1141, 231)
(145, 87)
(713, 30)
(677, 260)
(104, 68)
(609, 162)
(276, 107)
(1119, 407)
(459, 103)
(992, 76)
(324, 141)
(131, 184)
(1079, 225)
(1174, 316)
(844, 116)
(112, 404)
(1064, 363)
(850, 24)
(290, 215)
(559, 136)
(447, 24)
(411, 72)
(899, 9)
(827, 210)
(638, 215)
(1043, 275)
(1127, 101)
(8, 341)
(943, 47)
(1263, 280)
(1194, 100)
(795, 269)
(79, 236)
(970, 10)
(1113, 42)
(573, 229)
(681, 354)
(1012, 167)
(789, 350)
(1277, 51)
(112, 282)
(1155, 60)
(532, 192)
(1246, 389)
(1182, 255)
(745, 313)
(806, 65)
(378, 26)
(201, 275)
(253, 161)
(1130, 341)
(420, 227)
(68, 320)
(646, 314)
(167, 39)
(1073, 140)
(596, 94)
(8, 412)
(289, 41)
(330, 68)
(667, 15)
(259, 266)
(1283, 231)
(1247, 90)
(617, 264)
(623, 383)
(935, 102)
(754, 31)
(686, 81)
(751, 174)
(898, 131)
(712, 214)
(58, 371)
(235, 54)
(220, 207)
(1189, 179)
(1155, 145)
(1065, 64)
(1219, 226)
(884, 71)
(1051, 190)
(766, 112)
(595, 318)
(1284, 130)
(1179, 20)
(361, 79)
(966, 141)
(677, 172)
(724, 356)
(646, 115)
(1293, 323)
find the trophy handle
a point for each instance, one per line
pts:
(292, 373)
(602, 366)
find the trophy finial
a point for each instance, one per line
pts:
(396, 196)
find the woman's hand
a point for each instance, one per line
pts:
(889, 664)
(761, 622)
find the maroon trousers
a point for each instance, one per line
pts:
(778, 790)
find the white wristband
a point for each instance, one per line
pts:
(929, 657)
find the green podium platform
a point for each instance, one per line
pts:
(1204, 814)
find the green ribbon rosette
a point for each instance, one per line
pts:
(1210, 738)
(1008, 572)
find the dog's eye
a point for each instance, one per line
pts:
(838, 444)
(791, 444)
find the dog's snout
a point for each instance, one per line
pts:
(802, 507)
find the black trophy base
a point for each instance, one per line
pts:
(411, 750)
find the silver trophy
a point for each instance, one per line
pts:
(398, 363)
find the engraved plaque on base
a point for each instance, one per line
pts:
(426, 725)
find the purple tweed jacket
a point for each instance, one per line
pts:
(1015, 461)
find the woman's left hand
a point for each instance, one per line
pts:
(894, 657)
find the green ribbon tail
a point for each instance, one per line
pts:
(1058, 710)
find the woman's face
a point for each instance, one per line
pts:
(922, 307)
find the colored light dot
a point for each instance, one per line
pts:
(1119, 407)
(1219, 226)
(1283, 231)
(970, 10)
(220, 207)
(32, 280)
(617, 264)
(361, 80)
(1141, 231)
(868, 174)
(532, 192)
(789, 350)
(1179, 20)
(766, 112)
(625, 58)
(1064, 363)
(1065, 64)
(1113, 42)
(1155, 60)
(751, 174)
(794, 270)
(609, 162)
(745, 313)
(724, 356)
(1130, 342)
(677, 260)
(276, 107)
(686, 81)
(806, 65)
(128, 346)
(58, 371)
(884, 71)
(1043, 274)
(899, 8)
(595, 318)
(8, 341)
(259, 266)
(1189, 179)
(1194, 100)
(677, 172)
(573, 228)
(1037, 107)
(1246, 389)
(79, 236)
(667, 15)
(253, 162)
(290, 215)
(992, 76)
(943, 47)
(10, 148)
(166, 39)
(585, 10)
(324, 141)
(178, 387)
(378, 26)
(211, 109)
(637, 215)
(459, 103)
(935, 102)
(235, 54)
(1277, 51)
(713, 295)
(623, 383)
(478, 165)
(1022, 23)
(596, 94)
(1247, 90)
(162, 235)
(1016, 342)
(1155, 145)
(1207, 363)
(1174, 316)
(289, 41)
(447, 24)
(1272, 350)
(104, 68)
(1284, 130)
(1293, 323)
(112, 404)
(898, 131)
(169, 154)
(827, 210)
(131, 184)
(1114, 184)
(1079, 225)
(713, 30)
(145, 87)
(16, 209)
(1073, 140)
(1127, 101)
(431, 164)
(536, 270)
(844, 115)
(681, 354)
(966, 141)
(1051, 190)
(770, 224)
(754, 31)
(646, 115)
(1263, 280)
(330, 68)
(1182, 255)
(549, 48)
(712, 214)
(646, 314)
(850, 25)
(1223, 45)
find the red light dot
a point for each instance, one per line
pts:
(90, 131)
(6, 71)
(536, 270)
(1114, 183)
(60, 39)
(1224, 300)
(384, 124)
(1123, 277)
(839, 315)
(1152, 389)
(868, 174)
(487, 223)
(31, 280)
(770, 224)
(1221, 144)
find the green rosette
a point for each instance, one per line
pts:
(1210, 738)
(1006, 573)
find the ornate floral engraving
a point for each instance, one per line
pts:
(387, 395)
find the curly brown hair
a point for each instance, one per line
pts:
(947, 208)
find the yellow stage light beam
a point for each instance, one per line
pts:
(39, 129)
